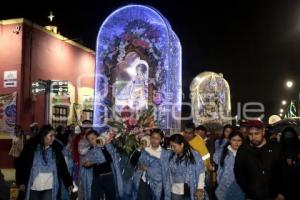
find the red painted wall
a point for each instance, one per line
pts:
(11, 58)
(36, 54)
(49, 58)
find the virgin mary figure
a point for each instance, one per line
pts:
(132, 83)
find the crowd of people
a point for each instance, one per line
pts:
(238, 163)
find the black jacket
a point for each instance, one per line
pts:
(4, 189)
(25, 161)
(261, 172)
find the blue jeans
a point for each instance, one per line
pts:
(40, 195)
(103, 185)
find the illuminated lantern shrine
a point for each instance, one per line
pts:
(138, 64)
(210, 98)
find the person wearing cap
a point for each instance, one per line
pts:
(259, 167)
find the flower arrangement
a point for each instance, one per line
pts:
(129, 128)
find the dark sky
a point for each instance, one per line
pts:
(255, 44)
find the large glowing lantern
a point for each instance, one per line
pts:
(138, 65)
(210, 98)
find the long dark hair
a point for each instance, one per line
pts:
(223, 133)
(225, 149)
(187, 152)
(44, 130)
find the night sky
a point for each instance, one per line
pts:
(255, 44)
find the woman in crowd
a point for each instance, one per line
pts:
(151, 180)
(81, 147)
(17, 145)
(18, 142)
(106, 176)
(43, 165)
(228, 188)
(221, 142)
(187, 171)
(65, 144)
(144, 143)
(128, 166)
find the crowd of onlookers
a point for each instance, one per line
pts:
(237, 162)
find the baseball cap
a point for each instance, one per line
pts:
(255, 124)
